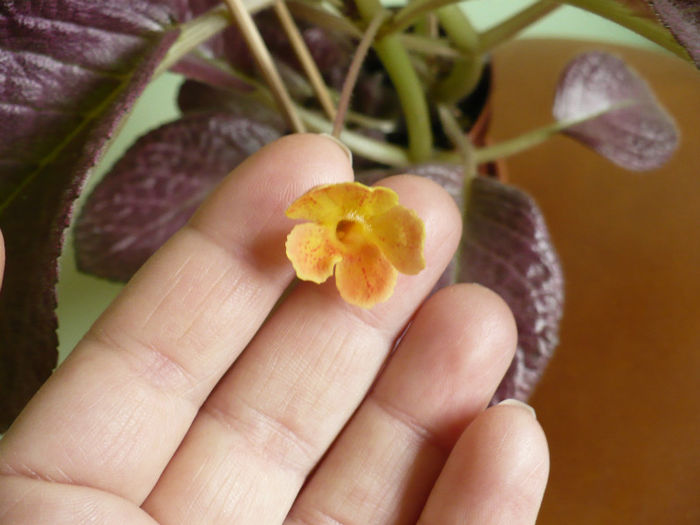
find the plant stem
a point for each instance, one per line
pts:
(537, 136)
(414, 10)
(372, 149)
(429, 46)
(408, 87)
(624, 16)
(455, 133)
(305, 58)
(354, 70)
(265, 63)
(511, 26)
(516, 145)
(192, 34)
(323, 18)
(466, 72)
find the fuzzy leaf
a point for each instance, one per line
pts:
(640, 135)
(505, 247)
(682, 18)
(69, 70)
(157, 185)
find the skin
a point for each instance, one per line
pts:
(188, 402)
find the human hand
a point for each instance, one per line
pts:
(188, 402)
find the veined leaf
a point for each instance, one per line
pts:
(682, 18)
(157, 185)
(620, 117)
(506, 247)
(69, 71)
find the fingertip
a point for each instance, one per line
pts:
(257, 192)
(496, 473)
(514, 439)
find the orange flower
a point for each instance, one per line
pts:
(361, 232)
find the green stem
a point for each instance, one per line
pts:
(375, 150)
(456, 134)
(466, 72)
(511, 26)
(429, 46)
(200, 29)
(192, 34)
(414, 10)
(521, 143)
(624, 16)
(408, 86)
(321, 17)
(537, 136)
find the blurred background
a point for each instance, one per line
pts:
(620, 399)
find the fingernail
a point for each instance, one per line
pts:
(339, 143)
(519, 404)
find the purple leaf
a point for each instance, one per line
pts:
(69, 70)
(505, 247)
(157, 185)
(640, 135)
(682, 18)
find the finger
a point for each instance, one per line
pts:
(496, 473)
(114, 413)
(38, 502)
(449, 363)
(276, 412)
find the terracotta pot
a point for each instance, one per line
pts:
(621, 397)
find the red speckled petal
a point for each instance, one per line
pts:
(312, 251)
(333, 202)
(365, 277)
(400, 234)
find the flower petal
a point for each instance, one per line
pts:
(312, 251)
(330, 203)
(365, 277)
(400, 234)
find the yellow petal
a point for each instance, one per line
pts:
(400, 234)
(365, 277)
(312, 251)
(331, 203)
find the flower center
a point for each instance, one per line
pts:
(349, 231)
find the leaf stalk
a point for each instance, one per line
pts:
(305, 58)
(408, 86)
(354, 69)
(265, 63)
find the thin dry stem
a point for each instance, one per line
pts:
(354, 70)
(264, 61)
(457, 136)
(305, 58)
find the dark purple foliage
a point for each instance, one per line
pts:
(69, 70)
(505, 247)
(682, 18)
(157, 185)
(640, 135)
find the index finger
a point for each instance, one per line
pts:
(114, 413)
